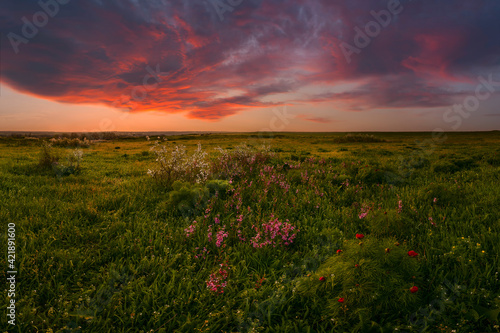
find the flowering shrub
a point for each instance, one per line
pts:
(176, 164)
(240, 161)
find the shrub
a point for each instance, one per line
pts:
(465, 163)
(243, 159)
(492, 159)
(444, 195)
(176, 164)
(444, 167)
(390, 223)
(48, 156)
(190, 199)
(72, 165)
(368, 282)
(371, 175)
(70, 142)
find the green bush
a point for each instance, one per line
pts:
(445, 167)
(445, 195)
(390, 224)
(373, 277)
(464, 163)
(190, 199)
(48, 156)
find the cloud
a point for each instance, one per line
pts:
(321, 120)
(103, 52)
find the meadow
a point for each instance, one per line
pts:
(285, 232)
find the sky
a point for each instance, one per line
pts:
(249, 65)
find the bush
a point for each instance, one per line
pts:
(444, 195)
(70, 142)
(243, 160)
(190, 199)
(444, 167)
(390, 224)
(465, 163)
(175, 164)
(48, 156)
(492, 159)
(72, 165)
(367, 283)
(371, 175)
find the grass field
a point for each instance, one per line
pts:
(319, 233)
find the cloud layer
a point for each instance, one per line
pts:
(211, 59)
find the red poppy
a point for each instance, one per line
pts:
(412, 253)
(360, 236)
(341, 300)
(322, 279)
(413, 289)
(339, 251)
(356, 265)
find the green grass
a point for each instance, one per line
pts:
(105, 249)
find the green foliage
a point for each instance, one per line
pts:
(191, 199)
(390, 223)
(372, 276)
(444, 194)
(48, 156)
(356, 138)
(444, 167)
(106, 250)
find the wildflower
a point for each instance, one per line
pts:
(221, 234)
(412, 254)
(341, 300)
(356, 265)
(400, 206)
(435, 200)
(413, 289)
(360, 236)
(339, 251)
(191, 229)
(217, 281)
(322, 279)
(387, 250)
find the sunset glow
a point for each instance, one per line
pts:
(211, 66)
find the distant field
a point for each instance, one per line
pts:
(314, 233)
